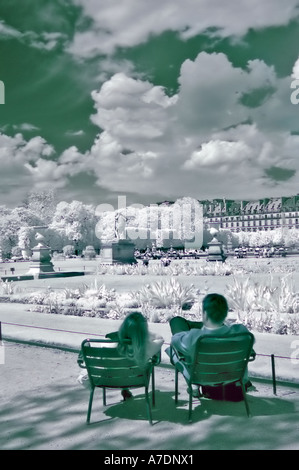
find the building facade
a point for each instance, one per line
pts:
(252, 216)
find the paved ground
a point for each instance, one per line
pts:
(43, 408)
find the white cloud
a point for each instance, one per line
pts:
(25, 126)
(17, 151)
(202, 142)
(43, 40)
(75, 133)
(295, 73)
(8, 32)
(22, 164)
(126, 24)
(211, 91)
(194, 142)
(132, 110)
(218, 153)
(46, 173)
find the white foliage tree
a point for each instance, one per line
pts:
(74, 222)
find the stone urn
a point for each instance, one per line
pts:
(41, 257)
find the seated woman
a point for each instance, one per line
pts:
(135, 341)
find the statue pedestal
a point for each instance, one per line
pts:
(41, 260)
(106, 254)
(118, 252)
(215, 251)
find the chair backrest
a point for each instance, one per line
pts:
(107, 368)
(220, 360)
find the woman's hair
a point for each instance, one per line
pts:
(216, 308)
(133, 337)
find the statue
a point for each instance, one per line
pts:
(215, 250)
(116, 248)
(120, 226)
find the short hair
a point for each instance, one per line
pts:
(216, 307)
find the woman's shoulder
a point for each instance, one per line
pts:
(154, 336)
(154, 344)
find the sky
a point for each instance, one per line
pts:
(151, 100)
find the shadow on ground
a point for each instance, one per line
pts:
(42, 407)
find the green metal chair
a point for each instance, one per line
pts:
(106, 368)
(218, 361)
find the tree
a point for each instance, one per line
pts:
(68, 250)
(74, 222)
(9, 226)
(89, 252)
(42, 204)
(292, 237)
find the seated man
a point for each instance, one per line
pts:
(186, 333)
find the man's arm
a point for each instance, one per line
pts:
(195, 324)
(113, 336)
(180, 342)
(178, 324)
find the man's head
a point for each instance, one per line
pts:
(215, 309)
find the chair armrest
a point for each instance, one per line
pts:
(113, 336)
(80, 361)
(156, 359)
(179, 355)
(173, 353)
(252, 356)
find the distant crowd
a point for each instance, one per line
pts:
(241, 252)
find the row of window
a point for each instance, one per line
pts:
(254, 229)
(255, 216)
(260, 223)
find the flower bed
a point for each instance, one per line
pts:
(261, 306)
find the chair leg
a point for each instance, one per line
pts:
(245, 399)
(176, 385)
(90, 405)
(153, 387)
(190, 405)
(148, 406)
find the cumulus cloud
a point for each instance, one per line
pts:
(202, 142)
(212, 89)
(47, 173)
(117, 24)
(155, 143)
(218, 153)
(132, 110)
(17, 151)
(24, 165)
